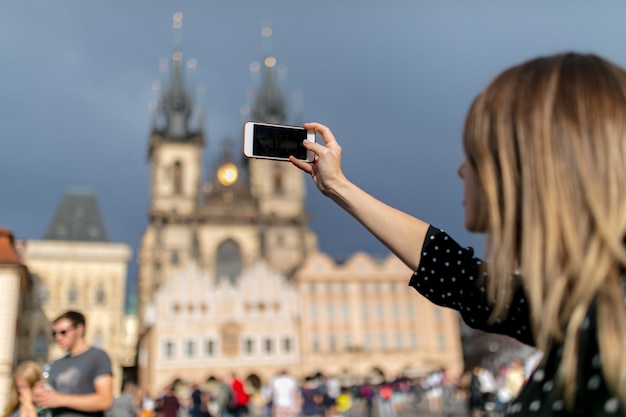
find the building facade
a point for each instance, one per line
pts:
(231, 278)
(77, 268)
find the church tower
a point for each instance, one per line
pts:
(279, 187)
(174, 153)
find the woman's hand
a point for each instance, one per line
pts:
(326, 166)
(27, 408)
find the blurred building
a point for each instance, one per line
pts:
(77, 268)
(23, 321)
(231, 278)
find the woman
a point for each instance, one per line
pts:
(545, 179)
(20, 403)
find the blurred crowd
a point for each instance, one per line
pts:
(479, 392)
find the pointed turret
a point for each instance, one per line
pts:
(269, 104)
(176, 102)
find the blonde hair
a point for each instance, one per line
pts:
(30, 372)
(548, 141)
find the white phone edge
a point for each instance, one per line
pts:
(248, 133)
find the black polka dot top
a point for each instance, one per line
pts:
(448, 276)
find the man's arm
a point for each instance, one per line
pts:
(101, 400)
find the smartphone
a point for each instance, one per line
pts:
(273, 141)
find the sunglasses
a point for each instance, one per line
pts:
(61, 332)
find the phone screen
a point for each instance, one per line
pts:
(279, 142)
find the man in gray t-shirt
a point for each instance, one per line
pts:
(81, 383)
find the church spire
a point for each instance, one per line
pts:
(269, 104)
(176, 102)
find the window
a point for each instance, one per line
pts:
(329, 288)
(332, 343)
(383, 341)
(209, 347)
(311, 288)
(98, 340)
(43, 294)
(396, 311)
(277, 174)
(367, 341)
(410, 310)
(190, 348)
(100, 295)
(248, 346)
(393, 287)
(40, 348)
(313, 312)
(174, 258)
(72, 294)
(331, 312)
(287, 344)
(315, 343)
(363, 288)
(381, 311)
(229, 260)
(346, 311)
(398, 340)
(268, 346)
(178, 178)
(169, 349)
(344, 288)
(365, 311)
(347, 341)
(413, 339)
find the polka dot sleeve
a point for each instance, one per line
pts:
(448, 275)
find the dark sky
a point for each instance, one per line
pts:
(393, 80)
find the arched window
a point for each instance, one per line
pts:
(229, 260)
(178, 178)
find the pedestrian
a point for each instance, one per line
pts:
(367, 393)
(200, 402)
(224, 398)
(169, 405)
(81, 382)
(241, 397)
(386, 407)
(312, 399)
(344, 402)
(285, 397)
(545, 180)
(126, 404)
(20, 402)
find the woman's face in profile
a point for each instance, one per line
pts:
(472, 192)
(22, 386)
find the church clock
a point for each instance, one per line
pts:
(227, 174)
